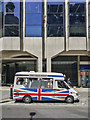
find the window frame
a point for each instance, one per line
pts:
(61, 25)
(40, 35)
(71, 25)
(4, 13)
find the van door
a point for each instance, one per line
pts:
(47, 92)
(61, 91)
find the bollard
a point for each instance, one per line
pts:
(11, 92)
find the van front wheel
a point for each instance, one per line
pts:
(27, 99)
(70, 99)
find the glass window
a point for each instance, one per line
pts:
(55, 7)
(1, 6)
(11, 13)
(10, 19)
(77, 19)
(55, 18)
(11, 30)
(1, 18)
(33, 19)
(33, 31)
(57, 31)
(33, 7)
(12, 7)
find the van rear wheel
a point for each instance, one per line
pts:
(27, 99)
(70, 99)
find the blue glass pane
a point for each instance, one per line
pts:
(33, 7)
(33, 31)
(12, 7)
(33, 19)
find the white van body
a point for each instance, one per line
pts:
(32, 85)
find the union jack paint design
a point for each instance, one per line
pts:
(41, 94)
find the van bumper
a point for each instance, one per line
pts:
(76, 98)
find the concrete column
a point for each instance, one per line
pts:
(23, 19)
(78, 63)
(66, 25)
(0, 70)
(45, 25)
(21, 25)
(48, 64)
(39, 63)
(0, 67)
(87, 26)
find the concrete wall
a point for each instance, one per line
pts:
(10, 43)
(33, 45)
(77, 43)
(1, 40)
(54, 45)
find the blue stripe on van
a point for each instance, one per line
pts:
(20, 75)
(55, 76)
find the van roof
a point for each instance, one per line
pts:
(38, 73)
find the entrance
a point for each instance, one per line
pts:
(9, 70)
(68, 66)
(85, 75)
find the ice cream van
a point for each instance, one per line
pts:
(30, 86)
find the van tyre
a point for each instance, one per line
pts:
(27, 99)
(70, 99)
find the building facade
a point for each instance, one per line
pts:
(45, 36)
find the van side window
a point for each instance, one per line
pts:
(35, 83)
(61, 84)
(23, 81)
(19, 81)
(46, 83)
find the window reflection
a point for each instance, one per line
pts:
(11, 27)
(1, 18)
(55, 31)
(33, 19)
(77, 19)
(55, 19)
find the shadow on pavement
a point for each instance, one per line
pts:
(20, 101)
